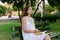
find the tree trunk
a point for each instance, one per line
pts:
(20, 1)
(43, 3)
(19, 15)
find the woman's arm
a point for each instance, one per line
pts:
(24, 26)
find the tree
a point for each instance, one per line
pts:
(20, 3)
(16, 3)
(49, 9)
(55, 3)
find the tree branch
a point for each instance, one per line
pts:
(37, 8)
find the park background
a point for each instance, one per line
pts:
(47, 17)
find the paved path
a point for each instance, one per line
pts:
(6, 18)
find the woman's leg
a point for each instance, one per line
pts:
(47, 37)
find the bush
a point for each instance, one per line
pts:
(50, 17)
(15, 8)
(49, 9)
(57, 15)
(2, 10)
(43, 25)
(37, 16)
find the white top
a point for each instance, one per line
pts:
(30, 25)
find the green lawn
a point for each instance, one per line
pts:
(5, 29)
(55, 27)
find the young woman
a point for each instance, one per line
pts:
(28, 26)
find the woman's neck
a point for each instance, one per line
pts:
(29, 15)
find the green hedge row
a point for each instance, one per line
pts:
(47, 16)
(51, 17)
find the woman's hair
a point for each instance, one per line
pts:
(25, 10)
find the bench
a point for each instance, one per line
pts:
(53, 35)
(19, 33)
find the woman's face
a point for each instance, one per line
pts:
(30, 11)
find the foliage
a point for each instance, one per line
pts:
(46, 17)
(37, 16)
(20, 3)
(2, 10)
(15, 8)
(54, 3)
(51, 17)
(43, 25)
(49, 9)
(57, 15)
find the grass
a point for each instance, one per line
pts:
(55, 27)
(5, 29)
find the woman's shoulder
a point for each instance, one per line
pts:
(26, 17)
(23, 17)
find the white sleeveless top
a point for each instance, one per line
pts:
(30, 25)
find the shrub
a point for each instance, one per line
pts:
(43, 25)
(49, 9)
(57, 15)
(50, 17)
(2, 10)
(15, 8)
(37, 16)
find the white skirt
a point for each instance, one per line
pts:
(34, 37)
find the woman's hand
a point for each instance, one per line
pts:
(37, 32)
